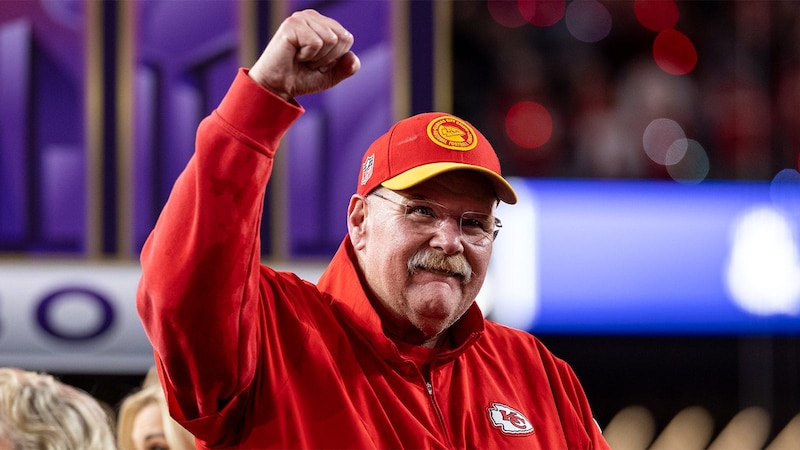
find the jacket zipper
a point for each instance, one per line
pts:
(442, 423)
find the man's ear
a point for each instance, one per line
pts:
(357, 221)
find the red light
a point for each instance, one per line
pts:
(542, 13)
(674, 52)
(529, 124)
(506, 13)
(656, 15)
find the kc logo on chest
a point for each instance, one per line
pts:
(508, 420)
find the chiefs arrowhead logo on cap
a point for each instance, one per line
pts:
(452, 133)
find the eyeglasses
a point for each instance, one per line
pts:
(427, 217)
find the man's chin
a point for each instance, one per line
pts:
(433, 316)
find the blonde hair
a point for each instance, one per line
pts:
(176, 436)
(37, 411)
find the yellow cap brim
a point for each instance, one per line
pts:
(416, 175)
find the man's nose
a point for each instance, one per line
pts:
(448, 235)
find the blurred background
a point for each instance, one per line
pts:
(654, 144)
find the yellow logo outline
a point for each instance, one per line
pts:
(452, 133)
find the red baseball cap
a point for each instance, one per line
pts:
(425, 145)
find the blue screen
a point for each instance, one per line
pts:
(648, 257)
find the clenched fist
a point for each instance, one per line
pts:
(308, 53)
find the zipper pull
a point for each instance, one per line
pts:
(429, 386)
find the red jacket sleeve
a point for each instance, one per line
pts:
(576, 398)
(200, 265)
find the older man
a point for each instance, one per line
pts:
(388, 349)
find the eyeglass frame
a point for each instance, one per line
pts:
(438, 208)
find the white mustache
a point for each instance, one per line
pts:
(436, 261)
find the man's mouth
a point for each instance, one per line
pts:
(442, 272)
(462, 278)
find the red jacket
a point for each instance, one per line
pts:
(254, 358)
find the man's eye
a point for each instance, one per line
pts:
(471, 223)
(478, 223)
(421, 210)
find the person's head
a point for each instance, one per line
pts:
(143, 423)
(37, 411)
(423, 222)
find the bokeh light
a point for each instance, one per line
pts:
(529, 124)
(542, 13)
(749, 429)
(674, 52)
(658, 140)
(787, 437)
(693, 167)
(763, 271)
(506, 13)
(656, 15)
(692, 427)
(588, 20)
(784, 191)
(633, 427)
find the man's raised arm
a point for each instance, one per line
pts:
(199, 291)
